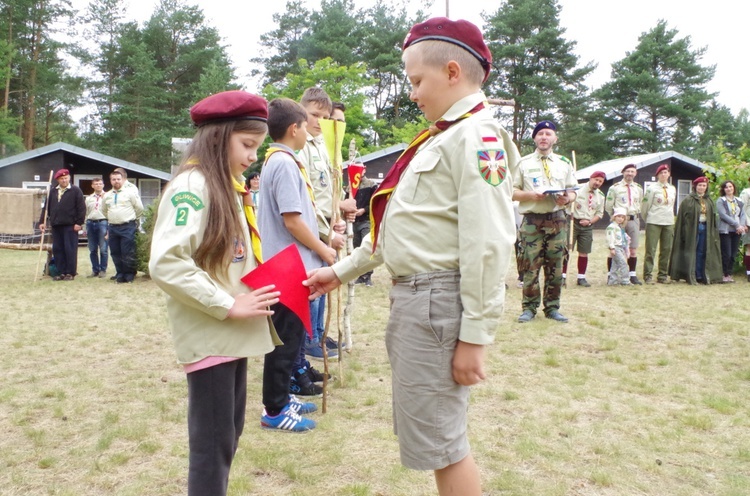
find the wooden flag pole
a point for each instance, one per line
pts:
(44, 231)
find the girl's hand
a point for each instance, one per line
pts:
(254, 303)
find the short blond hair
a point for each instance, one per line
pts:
(436, 53)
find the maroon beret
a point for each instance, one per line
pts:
(698, 180)
(62, 172)
(461, 33)
(229, 106)
(662, 167)
(598, 174)
(629, 166)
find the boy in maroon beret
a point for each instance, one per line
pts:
(445, 237)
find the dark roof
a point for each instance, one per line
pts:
(384, 152)
(612, 168)
(116, 162)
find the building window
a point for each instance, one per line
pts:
(150, 189)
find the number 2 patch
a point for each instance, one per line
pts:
(182, 215)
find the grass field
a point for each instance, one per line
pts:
(644, 392)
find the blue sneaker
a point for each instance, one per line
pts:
(332, 344)
(301, 407)
(288, 420)
(315, 351)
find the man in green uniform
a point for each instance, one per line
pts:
(543, 186)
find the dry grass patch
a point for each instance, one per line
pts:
(644, 392)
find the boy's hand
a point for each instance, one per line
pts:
(321, 281)
(254, 304)
(328, 255)
(338, 241)
(340, 227)
(468, 363)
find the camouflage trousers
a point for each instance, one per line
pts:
(543, 244)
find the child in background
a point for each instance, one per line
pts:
(618, 242)
(287, 216)
(202, 246)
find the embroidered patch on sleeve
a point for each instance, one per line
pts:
(182, 215)
(492, 166)
(189, 198)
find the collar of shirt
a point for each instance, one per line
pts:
(63, 189)
(463, 105)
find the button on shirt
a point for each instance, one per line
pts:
(532, 176)
(443, 215)
(658, 204)
(122, 206)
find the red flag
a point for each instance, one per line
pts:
(286, 271)
(355, 177)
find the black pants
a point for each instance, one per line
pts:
(65, 249)
(122, 249)
(279, 364)
(216, 417)
(730, 243)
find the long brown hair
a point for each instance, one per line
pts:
(208, 153)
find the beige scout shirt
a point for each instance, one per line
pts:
(745, 199)
(588, 204)
(197, 305)
(444, 215)
(314, 157)
(94, 204)
(122, 206)
(658, 204)
(618, 196)
(531, 177)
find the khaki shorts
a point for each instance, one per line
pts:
(583, 237)
(632, 228)
(429, 407)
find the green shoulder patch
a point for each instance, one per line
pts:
(565, 159)
(189, 198)
(492, 166)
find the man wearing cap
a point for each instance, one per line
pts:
(658, 212)
(544, 186)
(66, 210)
(122, 206)
(627, 194)
(588, 209)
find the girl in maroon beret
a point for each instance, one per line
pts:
(205, 239)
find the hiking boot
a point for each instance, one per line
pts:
(634, 280)
(93, 274)
(526, 316)
(555, 315)
(648, 280)
(287, 420)
(663, 281)
(583, 282)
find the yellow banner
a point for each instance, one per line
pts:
(333, 135)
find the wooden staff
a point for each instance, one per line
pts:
(570, 221)
(44, 231)
(349, 308)
(501, 102)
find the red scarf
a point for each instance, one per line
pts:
(381, 196)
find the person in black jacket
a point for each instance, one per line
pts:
(66, 211)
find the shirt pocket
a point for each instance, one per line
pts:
(415, 187)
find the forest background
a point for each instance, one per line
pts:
(141, 77)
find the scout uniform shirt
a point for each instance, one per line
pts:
(658, 204)
(197, 304)
(625, 196)
(122, 206)
(318, 166)
(588, 204)
(617, 237)
(94, 205)
(533, 177)
(452, 210)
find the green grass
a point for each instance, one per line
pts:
(644, 392)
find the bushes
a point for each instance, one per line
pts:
(143, 237)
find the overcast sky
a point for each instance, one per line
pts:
(604, 31)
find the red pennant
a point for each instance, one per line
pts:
(286, 271)
(355, 177)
